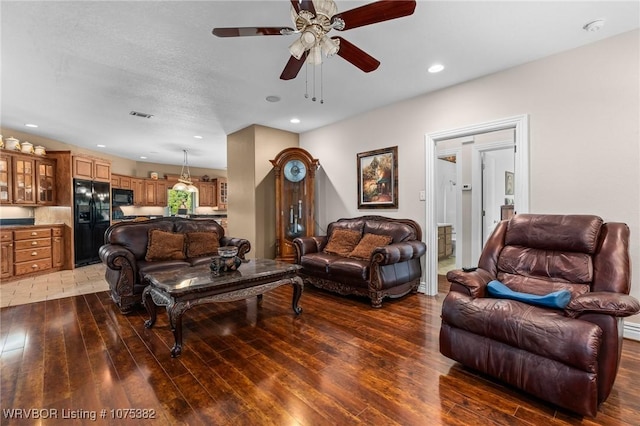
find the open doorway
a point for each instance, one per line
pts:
(468, 228)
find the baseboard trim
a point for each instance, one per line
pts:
(631, 330)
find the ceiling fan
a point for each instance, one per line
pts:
(313, 19)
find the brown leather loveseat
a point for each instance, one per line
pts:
(371, 256)
(132, 249)
(565, 353)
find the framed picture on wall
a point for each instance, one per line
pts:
(508, 183)
(378, 179)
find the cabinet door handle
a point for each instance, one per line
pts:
(34, 253)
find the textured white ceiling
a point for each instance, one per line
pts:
(77, 68)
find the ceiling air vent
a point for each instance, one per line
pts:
(140, 114)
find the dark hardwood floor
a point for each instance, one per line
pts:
(339, 363)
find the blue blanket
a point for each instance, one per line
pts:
(557, 299)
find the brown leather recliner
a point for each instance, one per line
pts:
(568, 356)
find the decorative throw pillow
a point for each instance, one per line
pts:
(558, 299)
(164, 246)
(202, 244)
(342, 241)
(368, 244)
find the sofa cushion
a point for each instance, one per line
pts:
(202, 244)
(164, 246)
(368, 244)
(317, 263)
(347, 269)
(342, 241)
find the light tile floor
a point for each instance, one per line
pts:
(445, 265)
(87, 279)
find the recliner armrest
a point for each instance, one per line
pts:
(603, 302)
(398, 252)
(110, 252)
(474, 282)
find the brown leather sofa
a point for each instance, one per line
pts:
(389, 270)
(568, 357)
(128, 254)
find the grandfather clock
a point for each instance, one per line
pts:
(295, 173)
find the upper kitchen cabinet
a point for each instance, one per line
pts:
(6, 180)
(90, 168)
(46, 181)
(222, 193)
(24, 180)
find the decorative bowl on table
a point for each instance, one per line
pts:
(226, 261)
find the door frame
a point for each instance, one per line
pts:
(520, 124)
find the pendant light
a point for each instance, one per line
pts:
(184, 181)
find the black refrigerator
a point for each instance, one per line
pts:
(91, 219)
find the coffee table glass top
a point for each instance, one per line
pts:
(191, 278)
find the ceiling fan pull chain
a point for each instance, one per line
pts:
(314, 84)
(306, 81)
(321, 83)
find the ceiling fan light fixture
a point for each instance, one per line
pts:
(329, 46)
(297, 49)
(315, 55)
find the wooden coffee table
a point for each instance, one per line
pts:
(182, 288)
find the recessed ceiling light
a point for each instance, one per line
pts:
(295, 120)
(101, 146)
(198, 137)
(142, 157)
(435, 68)
(594, 26)
(31, 125)
(273, 98)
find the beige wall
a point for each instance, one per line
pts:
(584, 112)
(251, 208)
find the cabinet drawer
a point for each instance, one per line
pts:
(35, 243)
(57, 232)
(33, 254)
(28, 234)
(36, 265)
(5, 236)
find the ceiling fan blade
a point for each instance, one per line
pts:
(251, 31)
(299, 5)
(293, 67)
(357, 56)
(372, 13)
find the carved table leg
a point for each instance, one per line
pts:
(297, 292)
(150, 307)
(175, 312)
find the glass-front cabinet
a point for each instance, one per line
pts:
(46, 172)
(24, 191)
(6, 184)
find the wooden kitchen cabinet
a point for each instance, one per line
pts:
(57, 247)
(138, 192)
(120, 182)
(6, 179)
(90, 168)
(31, 250)
(222, 193)
(46, 181)
(161, 193)
(6, 254)
(24, 180)
(207, 194)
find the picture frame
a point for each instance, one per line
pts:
(378, 179)
(508, 183)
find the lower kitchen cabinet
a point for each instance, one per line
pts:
(31, 250)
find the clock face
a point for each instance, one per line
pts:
(295, 170)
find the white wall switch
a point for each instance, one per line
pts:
(423, 195)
